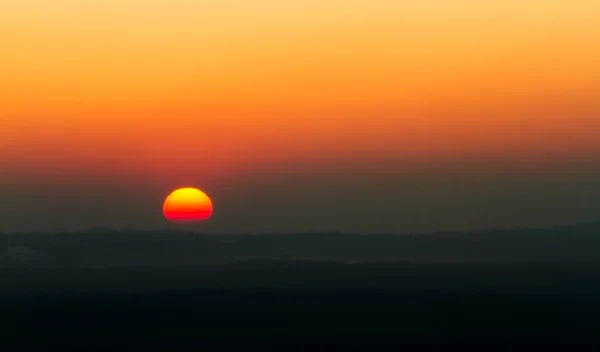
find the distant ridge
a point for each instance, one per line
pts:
(110, 248)
(592, 225)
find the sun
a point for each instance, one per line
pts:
(187, 204)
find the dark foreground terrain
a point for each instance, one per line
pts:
(270, 319)
(284, 305)
(521, 289)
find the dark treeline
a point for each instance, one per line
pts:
(104, 247)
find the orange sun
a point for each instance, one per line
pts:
(187, 204)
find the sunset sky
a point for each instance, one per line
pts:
(300, 115)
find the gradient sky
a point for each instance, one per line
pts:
(348, 115)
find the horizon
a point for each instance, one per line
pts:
(101, 230)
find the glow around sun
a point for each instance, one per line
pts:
(187, 204)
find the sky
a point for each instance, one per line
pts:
(353, 115)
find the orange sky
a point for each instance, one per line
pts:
(171, 88)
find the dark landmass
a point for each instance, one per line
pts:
(301, 276)
(517, 289)
(288, 318)
(111, 248)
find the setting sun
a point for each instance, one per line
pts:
(187, 204)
